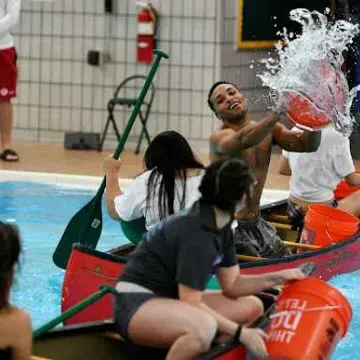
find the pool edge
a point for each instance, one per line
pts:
(55, 178)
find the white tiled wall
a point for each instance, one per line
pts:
(59, 91)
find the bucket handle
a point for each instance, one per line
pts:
(319, 308)
(328, 234)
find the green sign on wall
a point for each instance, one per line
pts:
(260, 20)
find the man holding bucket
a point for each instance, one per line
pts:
(239, 136)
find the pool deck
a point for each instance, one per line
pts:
(52, 158)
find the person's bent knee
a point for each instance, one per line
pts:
(257, 308)
(205, 332)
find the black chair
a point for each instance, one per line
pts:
(124, 95)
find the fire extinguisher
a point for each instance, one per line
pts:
(146, 32)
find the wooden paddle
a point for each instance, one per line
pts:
(287, 243)
(290, 243)
(302, 246)
(86, 225)
(280, 225)
(250, 258)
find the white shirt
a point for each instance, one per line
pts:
(314, 176)
(9, 16)
(131, 204)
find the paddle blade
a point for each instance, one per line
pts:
(84, 227)
(134, 229)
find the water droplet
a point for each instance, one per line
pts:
(251, 66)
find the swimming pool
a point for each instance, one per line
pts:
(42, 211)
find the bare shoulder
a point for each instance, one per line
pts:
(19, 318)
(15, 330)
(219, 134)
(20, 334)
(23, 316)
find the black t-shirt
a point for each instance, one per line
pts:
(185, 248)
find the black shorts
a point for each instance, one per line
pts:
(125, 306)
(258, 238)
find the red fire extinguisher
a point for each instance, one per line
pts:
(146, 32)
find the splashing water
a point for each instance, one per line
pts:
(307, 78)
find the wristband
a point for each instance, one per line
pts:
(237, 334)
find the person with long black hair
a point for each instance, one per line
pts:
(15, 325)
(161, 300)
(169, 184)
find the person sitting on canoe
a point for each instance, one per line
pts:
(161, 300)
(169, 184)
(315, 176)
(240, 137)
(15, 325)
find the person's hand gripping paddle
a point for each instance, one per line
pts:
(86, 225)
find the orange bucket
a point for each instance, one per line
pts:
(310, 318)
(324, 225)
(316, 111)
(343, 189)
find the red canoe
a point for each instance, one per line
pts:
(88, 269)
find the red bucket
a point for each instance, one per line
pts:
(317, 110)
(304, 113)
(310, 318)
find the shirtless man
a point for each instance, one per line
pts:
(252, 141)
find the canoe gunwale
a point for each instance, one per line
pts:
(244, 265)
(104, 255)
(80, 328)
(305, 255)
(104, 326)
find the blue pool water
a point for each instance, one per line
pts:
(42, 213)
